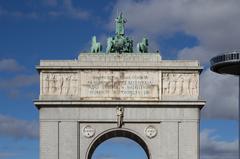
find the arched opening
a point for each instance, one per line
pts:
(114, 139)
(119, 148)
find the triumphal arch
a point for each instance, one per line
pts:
(119, 93)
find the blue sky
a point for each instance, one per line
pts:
(31, 30)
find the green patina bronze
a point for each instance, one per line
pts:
(120, 43)
(143, 46)
(96, 46)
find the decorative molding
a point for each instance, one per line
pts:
(150, 131)
(88, 131)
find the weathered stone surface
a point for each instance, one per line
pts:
(59, 84)
(159, 103)
(108, 114)
(119, 77)
(169, 139)
(116, 57)
(88, 131)
(118, 85)
(178, 85)
(49, 140)
(188, 140)
(151, 131)
(68, 144)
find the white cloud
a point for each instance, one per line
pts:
(6, 155)
(213, 148)
(214, 23)
(221, 94)
(67, 9)
(14, 87)
(10, 65)
(17, 128)
(195, 53)
(19, 81)
(74, 11)
(18, 14)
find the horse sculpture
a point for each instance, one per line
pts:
(96, 46)
(143, 46)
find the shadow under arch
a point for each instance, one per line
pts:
(117, 132)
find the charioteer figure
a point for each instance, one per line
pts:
(120, 43)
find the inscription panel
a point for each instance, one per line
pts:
(137, 85)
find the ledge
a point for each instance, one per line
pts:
(146, 61)
(47, 103)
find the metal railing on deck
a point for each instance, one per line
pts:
(234, 56)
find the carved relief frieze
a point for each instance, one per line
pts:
(121, 85)
(180, 84)
(65, 84)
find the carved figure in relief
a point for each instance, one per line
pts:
(52, 84)
(193, 83)
(66, 84)
(46, 84)
(179, 84)
(120, 112)
(166, 84)
(185, 85)
(73, 85)
(172, 84)
(59, 84)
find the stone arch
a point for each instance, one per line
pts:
(116, 132)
